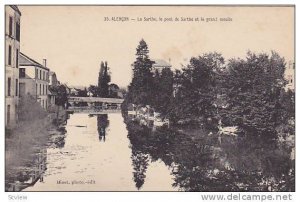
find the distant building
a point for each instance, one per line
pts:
(12, 50)
(34, 79)
(74, 90)
(290, 76)
(53, 79)
(51, 97)
(68, 89)
(159, 65)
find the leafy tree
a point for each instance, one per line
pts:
(163, 91)
(140, 90)
(254, 87)
(197, 88)
(94, 90)
(82, 93)
(103, 80)
(61, 97)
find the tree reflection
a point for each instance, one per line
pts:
(102, 124)
(203, 164)
(140, 165)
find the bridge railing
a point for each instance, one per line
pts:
(95, 99)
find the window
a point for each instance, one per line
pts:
(8, 114)
(9, 86)
(16, 112)
(46, 90)
(43, 89)
(17, 58)
(22, 73)
(18, 31)
(41, 74)
(36, 73)
(36, 89)
(9, 55)
(10, 26)
(40, 89)
(17, 87)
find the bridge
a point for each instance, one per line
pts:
(94, 105)
(93, 110)
(95, 100)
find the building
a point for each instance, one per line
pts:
(12, 49)
(51, 97)
(53, 79)
(34, 79)
(290, 76)
(159, 65)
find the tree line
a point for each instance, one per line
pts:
(249, 93)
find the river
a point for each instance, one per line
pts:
(109, 152)
(91, 161)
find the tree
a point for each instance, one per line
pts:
(61, 97)
(82, 93)
(103, 80)
(163, 91)
(94, 90)
(197, 88)
(254, 87)
(140, 90)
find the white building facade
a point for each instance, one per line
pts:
(12, 50)
(34, 80)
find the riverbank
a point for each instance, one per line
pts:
(26, 148)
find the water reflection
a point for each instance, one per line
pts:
(205, 164)
(102, 124)
(136, 157)
(22, 177)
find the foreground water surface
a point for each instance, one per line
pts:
(109, 153)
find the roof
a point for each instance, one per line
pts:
(16, 9)
(27, 61)
(52, 73)
(77, 87)
(161, 63)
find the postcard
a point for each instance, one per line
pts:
(150, 98)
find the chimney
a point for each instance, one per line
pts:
(45, 62)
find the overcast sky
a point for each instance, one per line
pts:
(75, 39)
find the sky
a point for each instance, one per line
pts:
(75, 39)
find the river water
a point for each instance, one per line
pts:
(92, 161)
(110, 153)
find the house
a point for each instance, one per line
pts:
(159, 65)
(53, 79)
(68, 89)
(75, 90)
(290, 76)
(34, 79)
(12, 49)
(51, 97)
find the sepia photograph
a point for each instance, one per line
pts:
(149, 98)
